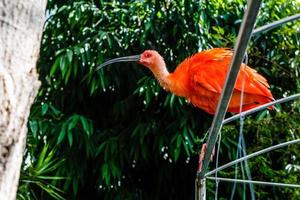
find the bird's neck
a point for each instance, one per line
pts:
(175, 82)
(162, 74)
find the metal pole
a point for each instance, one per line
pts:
(239, 52)
(252, 155)
(275, 24)
(200, 189)
(197, 189)
(203, 189)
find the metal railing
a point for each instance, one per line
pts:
(245, 33)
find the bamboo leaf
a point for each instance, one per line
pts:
(33, 127)
(55, 66)
(73, 122)
(70, 55)
(70, 138)
(44, 108)
(85, 125)
(62, 134)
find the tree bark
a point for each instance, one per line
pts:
(21, 24)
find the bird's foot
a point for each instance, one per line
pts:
(201, 156)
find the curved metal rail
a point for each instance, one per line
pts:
(254, 182)
(275, 24)
(252, 155)
(253, 110)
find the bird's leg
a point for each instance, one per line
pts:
(201, 156)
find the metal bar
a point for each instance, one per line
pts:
(200, 189)
(256, 109)
(252, 155)
(217, 164)
(197, 189)
(254, 182)
(203, 189)
(275, 24)
(239, 52)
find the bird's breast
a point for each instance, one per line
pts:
(179, 85)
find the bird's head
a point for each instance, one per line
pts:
(148, 58)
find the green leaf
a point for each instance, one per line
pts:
(114, 170)
(33, 127)
(73, 122)
(94, 86)
(62, 133)
(83, 57)
(62, 8)
(75, 67)
(172, 100)
(51, 177)
(42, 156)
(51, 190)
(68, 75)
(262, 115)
(101, 147)
(44, 108)
(179, 140)
(55, 66)
(85, 125)
(147, 26)
(70, 138)
(105, 174)
(186, 148)
(109, 41)
(176, 153)
(54, 110)
(69, 55)
(75, 185)
(63, 67)
(50, 164)
(60, 52)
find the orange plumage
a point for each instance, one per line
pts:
(200, 78)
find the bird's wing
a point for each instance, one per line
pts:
(254, 82)
(208, 71)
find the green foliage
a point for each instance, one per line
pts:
(39, 175)
(116, 134)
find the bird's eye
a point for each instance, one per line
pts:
(148, 55)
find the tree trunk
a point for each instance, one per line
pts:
(21, 24)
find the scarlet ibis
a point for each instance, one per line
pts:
(200, 79)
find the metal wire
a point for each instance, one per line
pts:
(275, 24)
(217, 163)
(243, 143)
(241, 147)
(235, 172)
(254, 182)
(252, 155)
(253, 110)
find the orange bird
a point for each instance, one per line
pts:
(200, 79)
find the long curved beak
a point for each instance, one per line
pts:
(134, 58)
